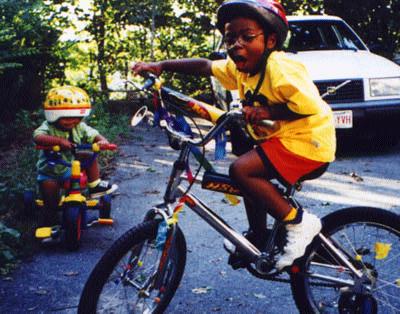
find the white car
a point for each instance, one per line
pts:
(362, 88)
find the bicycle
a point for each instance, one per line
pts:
(352, 266)
(74, 202)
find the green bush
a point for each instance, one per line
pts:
(110, 125)
(10, 244)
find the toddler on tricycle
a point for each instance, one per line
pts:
(66, 145)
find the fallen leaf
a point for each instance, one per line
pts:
(41, 292)
(217, 260)
(71, 273)
(259, 296)
(32, 308)
(201, 290)
(151, 192)
(356, 177)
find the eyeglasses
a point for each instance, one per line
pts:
(242, 39)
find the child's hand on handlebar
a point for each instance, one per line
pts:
(65, 144)
(103, 142)
(256, 114)
(140, 67)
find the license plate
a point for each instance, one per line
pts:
(343, 119)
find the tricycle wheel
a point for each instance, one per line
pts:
(29, 203)
(72, 226)
(105, 206)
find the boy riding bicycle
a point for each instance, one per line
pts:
(64, 109)
(299, 143)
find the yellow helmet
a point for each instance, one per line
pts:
(66, 101)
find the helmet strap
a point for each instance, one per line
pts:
(263, 65)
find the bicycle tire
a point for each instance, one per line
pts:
(73, 228)
(94, 297)
(349, 227)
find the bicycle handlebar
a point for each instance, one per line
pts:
(236, 113)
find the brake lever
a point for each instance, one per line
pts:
(237, 106)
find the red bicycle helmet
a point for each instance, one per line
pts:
(269, 13)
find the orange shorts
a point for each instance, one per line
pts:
(288, 166)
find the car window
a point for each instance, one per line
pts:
(322, 35)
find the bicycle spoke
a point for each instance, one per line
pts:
(373, 249)
(129, 287)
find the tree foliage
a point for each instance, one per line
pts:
(376, 21)
(116, 32)
(27, 40)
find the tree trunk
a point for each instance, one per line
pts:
(100, 38)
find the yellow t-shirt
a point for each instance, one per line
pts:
(286, 82)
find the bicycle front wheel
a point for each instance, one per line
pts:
(370, 238)
(134, 276)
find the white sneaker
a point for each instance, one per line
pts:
(299, 236)
(103, 188)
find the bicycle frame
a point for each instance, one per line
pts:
(176, 191)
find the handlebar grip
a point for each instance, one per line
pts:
(108, 147)
(55, 148)
(267, 123)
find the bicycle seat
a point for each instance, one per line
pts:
(290, 189)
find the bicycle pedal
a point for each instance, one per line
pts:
(105, 221)
(229, 246)
(92, 222)
(44, 232)
(237, 260)
(47, 232)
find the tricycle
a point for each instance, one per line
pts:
(75, 202)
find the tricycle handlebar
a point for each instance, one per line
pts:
(93, 147)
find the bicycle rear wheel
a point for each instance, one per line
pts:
(370, 237)
(134, 276)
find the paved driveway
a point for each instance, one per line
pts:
(51, 281)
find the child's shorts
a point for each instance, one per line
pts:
(289, 167)
(64, 177)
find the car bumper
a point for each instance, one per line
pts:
(371, 117)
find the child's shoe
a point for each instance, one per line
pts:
(299, 236)
(103, 188)
(237, 259)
